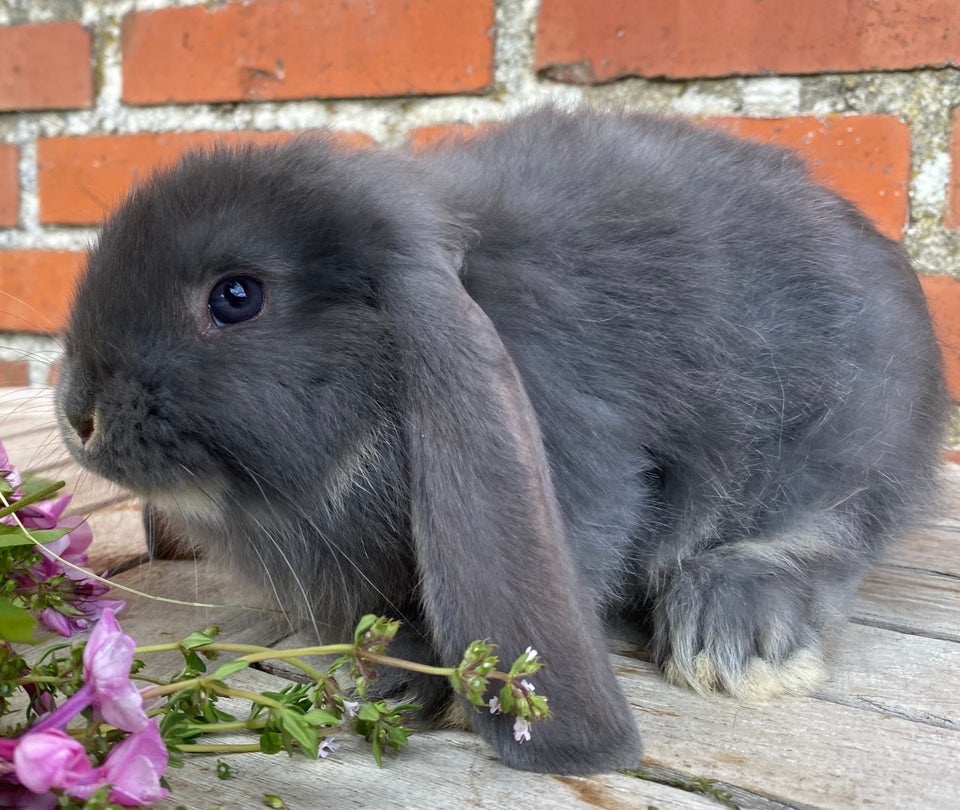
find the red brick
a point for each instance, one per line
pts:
(14, 374)
(9, 186)
(865, 158)
(296, 49)
(588, 41)
(425, 137)
(943, 299)
(47, 66)
(35, 289)
(952, 217)
(53, 372)
(81, 179)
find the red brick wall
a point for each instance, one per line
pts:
(92, 102)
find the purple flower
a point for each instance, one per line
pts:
(132, 769)
(50, 759)
(45, 514)
(82, 595)
(106, 670)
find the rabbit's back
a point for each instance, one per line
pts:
(714, 345)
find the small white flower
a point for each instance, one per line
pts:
(531, 654)
(327, 747)
(527, 685)
(521, 730)
(351, 707)
(494, 705)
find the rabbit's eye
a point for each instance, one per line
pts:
(235, 299)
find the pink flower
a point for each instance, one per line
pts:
(106, 670)
(132, 769)
(82, 594)
(50, 759)
(45, 514)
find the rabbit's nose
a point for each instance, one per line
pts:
(84, 423)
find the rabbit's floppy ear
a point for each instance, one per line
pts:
(488, 534)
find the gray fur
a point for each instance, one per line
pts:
(582, 365)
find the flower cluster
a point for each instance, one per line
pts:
(46, 757)
(517, 696)
(47, 581)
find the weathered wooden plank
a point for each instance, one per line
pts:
(909, 676)
(948, 511)
(936, 550)
(437, 770)
(911, 601)
(800, 751)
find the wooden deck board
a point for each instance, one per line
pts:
(884, 731)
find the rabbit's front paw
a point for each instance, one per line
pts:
(754, 635)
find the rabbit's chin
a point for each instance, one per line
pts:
(199, 506)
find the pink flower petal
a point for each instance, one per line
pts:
(57, 622)
(106, 667)
(51, 759)
(132, 769)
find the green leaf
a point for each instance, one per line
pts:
(195, 640)
(319, 717)
(16, 624)
(398, 735)
(368, 712)
(228, 669)
(194, 662)
(12, 536)
(271, 800)
(305, 736)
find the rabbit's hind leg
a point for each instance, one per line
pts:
(748, 617)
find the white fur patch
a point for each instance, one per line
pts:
(194, 506)
(759, 682)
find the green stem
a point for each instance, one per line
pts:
(253, 697)
(213, 686)
(28, 679)
(171, 688)
(39, 495)
(236, 725)
(426, 669)
(200, 748)
(264, 653)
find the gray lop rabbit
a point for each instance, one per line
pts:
(583, 366)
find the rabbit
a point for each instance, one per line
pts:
(581, 367)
